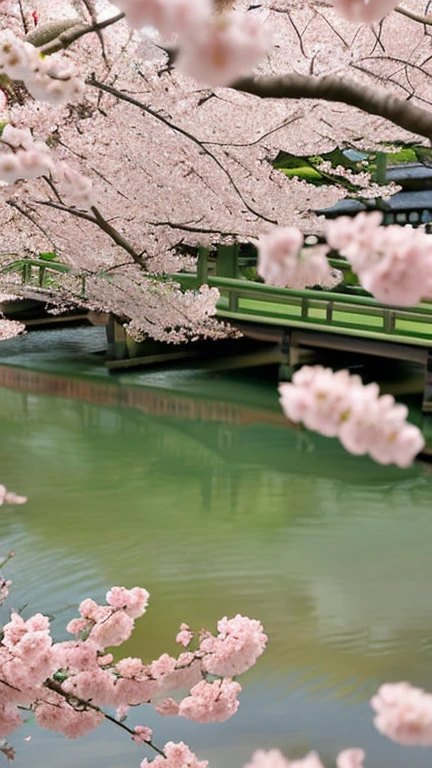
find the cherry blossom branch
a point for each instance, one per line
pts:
(7, 558)
(190, 228)
(427, 20)
(69, 36)
(333, 88)
(115, 235)
(23, 18)
(52, 685)
(27, 215)
(102, 223)
(130, 100)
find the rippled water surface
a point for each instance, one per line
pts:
(192, 485)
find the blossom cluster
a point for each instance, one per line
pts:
(26, 158)
(339, 404)
(214, 48)
(283, 262)
(52, 80)
(8, 497)
(349, 758)
(404, 714)
(67, 683)
(393, 263)
(364, 11)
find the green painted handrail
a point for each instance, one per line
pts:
(24, 266)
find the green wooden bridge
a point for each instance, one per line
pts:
(346, 318)
(292, 322)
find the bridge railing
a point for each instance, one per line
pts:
(40, 273)
(349, 313)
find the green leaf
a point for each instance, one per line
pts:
(48, 256)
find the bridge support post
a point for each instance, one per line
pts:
(427, 391)
(116, 338)
(227, 261)
(286, 368)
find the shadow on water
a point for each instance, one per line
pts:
(194, 486)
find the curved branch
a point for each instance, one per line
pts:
(80, 705)
(427, 20)
(69, 36)
(97, 218)
(332, 88)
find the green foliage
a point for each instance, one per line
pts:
(307, 167)
(49, 256)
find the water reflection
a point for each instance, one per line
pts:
(217, 507)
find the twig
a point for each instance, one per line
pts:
(56, 687)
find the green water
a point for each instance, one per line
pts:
(192, 485)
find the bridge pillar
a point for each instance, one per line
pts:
(116, 338)
(427, 391)
(227, 261)
(286, 367)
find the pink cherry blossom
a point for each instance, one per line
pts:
(283, 262)
(319, 398)
(275, 759)
(142, 734)
(393, 263)
(311, 760)
(18, 138)
(51, 79)
(133, 601)
(404, 714)
(211, 702)
(236, 648)
(10, 719)
(77, 188)
(364, 11)
(168, 16)
(177, 756)
(75, 656)
(338, 404)
(167, 707)
(8, 497)
(271, 759)
(95, 685)
(113, 630)
(15, 498)
(76, 626)
(185, 635)
(223, 48)
(56, 714)
(350, 758)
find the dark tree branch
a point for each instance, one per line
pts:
(28, 215)
(427, 20)
(102, 223)
(69, 36)
(332, 88)
(82, 704)
(116, 236)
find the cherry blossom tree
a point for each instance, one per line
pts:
(136, 151)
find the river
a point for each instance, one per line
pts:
(192, 484)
